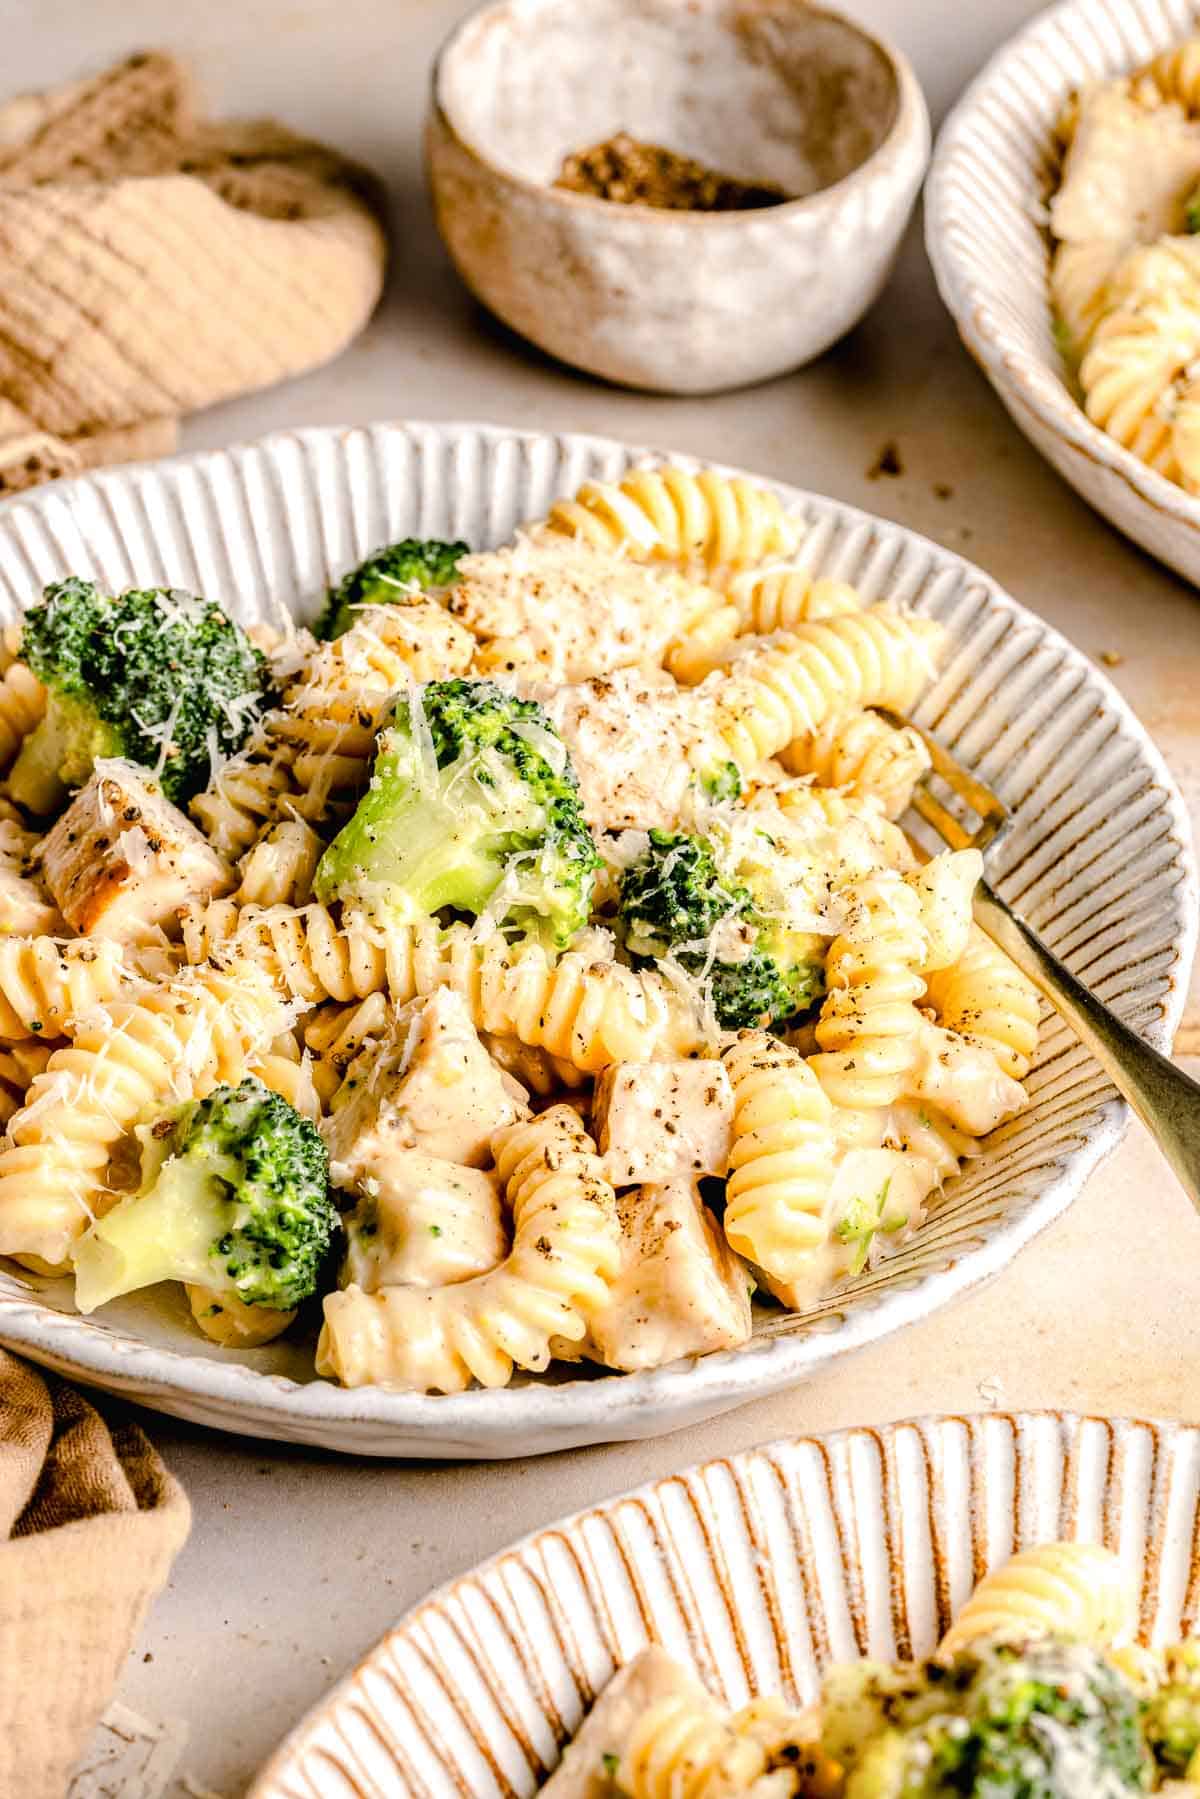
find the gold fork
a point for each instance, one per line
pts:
(1165, 1099)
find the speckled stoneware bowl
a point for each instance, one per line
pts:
(1098, 859)
(765, 90)
(756, 1571)
(993, 170)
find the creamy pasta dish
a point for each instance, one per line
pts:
(1038, 1691)
(1125, 279)
(526, 966)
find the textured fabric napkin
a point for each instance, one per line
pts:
(90, 1522)
(152, 263)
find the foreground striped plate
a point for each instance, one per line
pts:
(1099, 860)
(757, 1571)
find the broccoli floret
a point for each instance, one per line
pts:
(1191, 211)
(1044, 1720)
(235, 1196)
(677, 901)
(1172, 1720)
(474, 806)
(389, 576)
(128, 676)
(724, 782)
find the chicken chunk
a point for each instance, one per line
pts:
(680, 1290)
(122, 859)
(430, 1086)
(422, 1222)
(563, 612)
(658, 1121)
(586, 1769)
(639, 743)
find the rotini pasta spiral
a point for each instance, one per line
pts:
(288, 1070)
(278, 871)
(722, 521)
(1079, 282)
(1175, 75)
(1074, 1590)
(781, 690)
(869, 1027)
(682, 1747)
(781, 597)
(536, 1069)
(46, 983)
(19, 1063)
(781, 1160)
(336, 1033)
(581, 1007)
(565, 1255)
(986, 999)
(704, 640)
(1137, 372)
(861, 752)
(179, 1039)
(248, 791)
(312, 753)
(22, 703)
(308, 952)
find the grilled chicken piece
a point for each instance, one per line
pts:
(422, 1222)
(122, 859)
(658, 1121)
(431, 1087)
(680, 1289)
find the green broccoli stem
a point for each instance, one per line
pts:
(59, 753)
(167, 1233)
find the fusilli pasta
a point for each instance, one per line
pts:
(178, 1039)
(719, 520)
(869, 1026)
(861, 752)
(987, 1000)
(783, 689)
(1073, 1590)
(565, 1253)
(22, 703)
(781, 1158)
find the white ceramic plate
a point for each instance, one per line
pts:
(994, 168)
(1099, 860)
(756, 1571)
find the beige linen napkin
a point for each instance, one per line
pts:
(152, 263)
(90, 1522)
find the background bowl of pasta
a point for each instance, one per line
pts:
(997, 165)
(754, 1574)
(1098, 859)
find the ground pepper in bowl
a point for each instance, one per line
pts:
(631, 173)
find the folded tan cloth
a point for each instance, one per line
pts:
(90, 1522)
(152, 263)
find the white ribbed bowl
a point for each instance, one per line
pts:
(994, 167)
(756, 1571)
(1099, 860)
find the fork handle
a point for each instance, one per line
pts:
(1165, 1099)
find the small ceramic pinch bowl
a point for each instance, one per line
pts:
(767, 91)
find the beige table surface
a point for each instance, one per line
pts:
(298, 1561)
